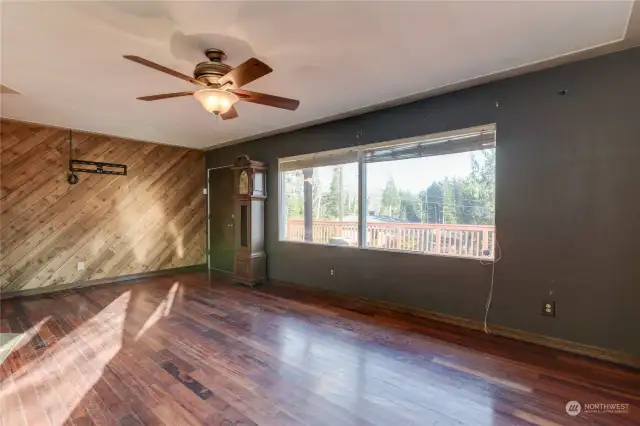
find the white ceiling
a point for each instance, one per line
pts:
(65, 58)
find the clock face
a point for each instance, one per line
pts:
(243, 183)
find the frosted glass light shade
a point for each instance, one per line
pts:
(215, 100)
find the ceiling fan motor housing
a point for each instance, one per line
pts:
(210, 71)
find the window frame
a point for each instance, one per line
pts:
(360, 151)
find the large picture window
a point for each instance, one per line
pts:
(431, 195)
(323, 193)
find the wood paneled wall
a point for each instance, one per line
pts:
(151, 219)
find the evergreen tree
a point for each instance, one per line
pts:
(332, 201)
(479, 189)
(485, 178)
(434, 196)
(294, 199)
(452, 200)
(390, 203)
(469, 200)
(449, 213)
(409, 207)
(350, 204)
(317, 197)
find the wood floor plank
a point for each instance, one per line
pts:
(11, 411)
(41, 393)
(185, 350)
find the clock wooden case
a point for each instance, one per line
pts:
(250, 260)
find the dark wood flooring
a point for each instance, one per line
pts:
(180, 350)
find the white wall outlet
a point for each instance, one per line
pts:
(204, 191)
(332, 272)
(80, 266)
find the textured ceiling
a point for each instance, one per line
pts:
(65, 58)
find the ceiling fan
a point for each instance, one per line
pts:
(221, 84)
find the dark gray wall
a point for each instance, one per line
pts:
(567, 204)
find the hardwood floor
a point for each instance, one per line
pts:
(178, 350)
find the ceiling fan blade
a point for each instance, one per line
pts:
(244, 73)
(232, 113)
(166, 70)
(164, 96)
(269, 100)
(8, 90)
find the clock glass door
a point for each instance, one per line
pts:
(221, 220)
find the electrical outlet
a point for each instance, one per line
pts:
(204, 191)
(332, 272)
(80, 266)
(549, 308)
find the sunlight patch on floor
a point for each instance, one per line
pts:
(29, 334)
(360, 380)
(7, 342)
(162, 310)
(487, 376)
(58, 380)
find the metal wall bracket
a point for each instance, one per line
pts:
(97, 167)
(85, 166)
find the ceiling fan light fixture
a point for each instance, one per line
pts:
(215, 100)
(212, 75)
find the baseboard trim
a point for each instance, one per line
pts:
(609, 355)
(112, 280)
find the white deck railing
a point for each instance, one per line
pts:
(455, 240)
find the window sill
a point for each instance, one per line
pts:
(311, 243)
(419, 253)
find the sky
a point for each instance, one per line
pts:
(417, 174)
(413, 175)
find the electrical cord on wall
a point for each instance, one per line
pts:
(493, 271)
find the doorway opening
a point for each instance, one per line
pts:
(221, 235)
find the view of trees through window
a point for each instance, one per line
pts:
(333, 203)
(451, 197)
(441, 204)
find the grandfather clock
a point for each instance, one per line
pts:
(250, 260)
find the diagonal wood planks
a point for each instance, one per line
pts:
(152, 219)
